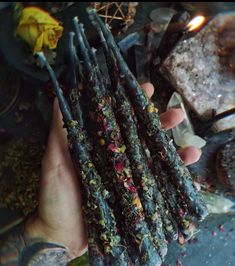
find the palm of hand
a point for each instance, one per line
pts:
(59, 218)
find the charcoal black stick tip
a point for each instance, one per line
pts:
(71, 34)
(75, 19)
(67, 116)
(91, 10)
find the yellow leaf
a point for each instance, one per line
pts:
(137, 202)
(122, 149)
(39, 29)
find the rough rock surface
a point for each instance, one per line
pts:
(202, 69)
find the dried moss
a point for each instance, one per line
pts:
(20, 164)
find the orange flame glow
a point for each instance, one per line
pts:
(195, 23)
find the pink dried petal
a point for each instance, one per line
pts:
(214, 233)
(221, 228)
(105, 127)
(197, 185)
(132, 189)
(184, 254)
(119, 167)
(181, 213)
(98, 117)
(129, 180)
(112, 147)
(181, 239)
(70, 144)
(191, 227)
(179, 263)
(142, 183)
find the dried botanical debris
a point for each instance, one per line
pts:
(132, 206)
(19, 175)
(225, 165)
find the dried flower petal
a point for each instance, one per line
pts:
(214, 233)
(137, 202)
(132, 189)
(221, 228)
(181, 239)
(39, 29)
(112, 147)
(179, 263)
(119, 167)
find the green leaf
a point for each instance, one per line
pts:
(80, 261)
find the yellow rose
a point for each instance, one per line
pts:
(39, 29)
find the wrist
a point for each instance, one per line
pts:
(19, 248)
(37, 229)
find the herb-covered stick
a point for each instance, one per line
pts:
(100, 219)
(153, 202)
(113, 144)
(159, 143)
(143, 177)
(100, 157)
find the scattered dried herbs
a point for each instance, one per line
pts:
(19, 175)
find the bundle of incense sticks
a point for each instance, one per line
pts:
(132, 205)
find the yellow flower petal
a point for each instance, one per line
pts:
(40, 15)
(122, 149)
(137, 202)
(39, 29)
(39, 44)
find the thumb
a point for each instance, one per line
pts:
(57, 147)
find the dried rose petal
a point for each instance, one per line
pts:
(179, 263)
(132, 189)
(181, 239)
(221, 228)
(181, 213)
(105, 127)
(214, 233)
(112, 147)
(119, 167)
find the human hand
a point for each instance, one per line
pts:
(59, 218)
